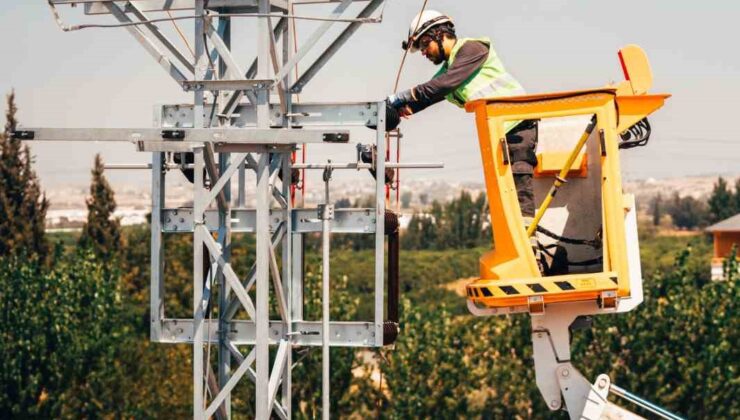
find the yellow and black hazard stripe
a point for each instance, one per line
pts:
(573, 287)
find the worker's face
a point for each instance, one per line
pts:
(430, 49)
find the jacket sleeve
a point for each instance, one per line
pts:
(470, 58)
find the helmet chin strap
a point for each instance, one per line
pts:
(438, 37)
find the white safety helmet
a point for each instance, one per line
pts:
(422, 23)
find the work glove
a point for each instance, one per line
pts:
(392, 118)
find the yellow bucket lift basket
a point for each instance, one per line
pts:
(510, 278)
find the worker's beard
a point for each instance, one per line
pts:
(436, 59)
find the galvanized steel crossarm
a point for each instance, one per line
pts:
(305, 220)
(257, 136)
(305, 333)
(329, 114)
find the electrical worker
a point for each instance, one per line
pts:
(470, 70)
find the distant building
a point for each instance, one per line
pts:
(726, 235)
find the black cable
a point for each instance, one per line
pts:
(636, 136)
(585, 263)
(594, 243)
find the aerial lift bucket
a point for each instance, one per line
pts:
(590, 216)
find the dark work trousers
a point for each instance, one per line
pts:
(522, 141)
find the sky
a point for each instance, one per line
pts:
(103, 78)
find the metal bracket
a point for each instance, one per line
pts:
(608, 299)
(536, 305)
(326, 211)
(505, 150)
(23, 135)
(583, 400)
(173, 134)
(336, 137)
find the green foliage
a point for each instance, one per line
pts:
(447, 366)
(60, 330)
(460, 223)
(721, 202)
(101, 232)
(406, 198)
(730, 266)
(687, 212)
(22, 205)
(678, 349)
(307, 390)
(656, 209)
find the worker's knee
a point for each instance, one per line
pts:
(525, 193)
(522, 142)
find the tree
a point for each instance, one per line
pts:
(59, 340)
(406, 199)
(677, 349)
(102, 232)
(460, 223)
(22, 205)
(656, 209)
(687, 212)
(720, 202)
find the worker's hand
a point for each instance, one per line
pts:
(405, 111)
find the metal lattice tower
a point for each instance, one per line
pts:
(231, 127)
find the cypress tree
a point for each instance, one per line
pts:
(22, 204)
(720, 202)
(657, 209)
(102, 232)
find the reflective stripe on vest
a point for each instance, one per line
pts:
(491, 80)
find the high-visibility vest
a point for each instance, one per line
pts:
(490, 80)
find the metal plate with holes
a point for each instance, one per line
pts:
(244, 220)
(307, 333)
(304, 114)
(344, 221)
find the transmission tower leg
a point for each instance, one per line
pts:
(263, 225)
(224, 355)
(380, 226)
(262, 304)
(156, 306)
(224, 236)
(327, 214)
(287, 248)
(287, 242)
(198, 281)
(199, 204)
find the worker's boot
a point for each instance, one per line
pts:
(559, 265)
(368, 154)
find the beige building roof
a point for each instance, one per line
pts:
(728, 225)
